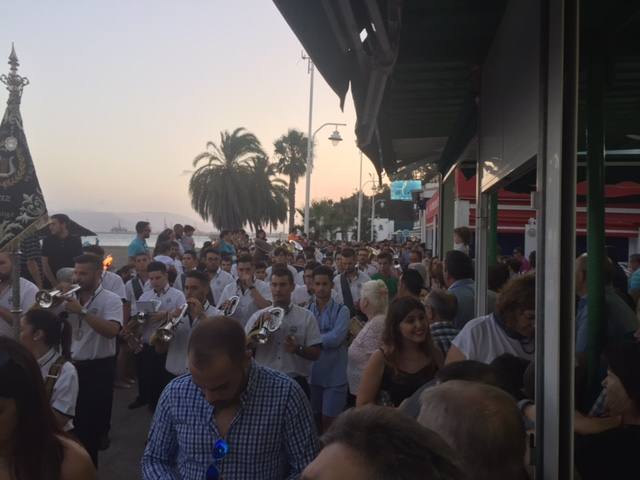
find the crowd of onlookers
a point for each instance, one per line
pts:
(379, 350)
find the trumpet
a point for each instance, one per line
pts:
(296, 246)
(45, 299)
(268, 323)
(167, 332)
(231, 306)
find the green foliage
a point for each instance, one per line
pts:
(290, 152)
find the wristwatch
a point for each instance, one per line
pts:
(252, 287)
(300, 350)
(84, 312)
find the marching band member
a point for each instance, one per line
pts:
(218, 278)
(139, 284)
(189, 263)
(302, 294)
(95, 315)
(196, 288)
(226, 263)
(28, 292)
(280, 256)
(260, 270)
(363, 262)
(150, 364)
(349, 283)
(329, 372)
(297, 343)
(254, 294)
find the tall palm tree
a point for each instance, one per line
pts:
(291, 154)
(218, 186)
(268, 194)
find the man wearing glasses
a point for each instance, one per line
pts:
(229, 418)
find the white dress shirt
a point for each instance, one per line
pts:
(169, 298)
(176, 363)
(86, 343)
(293, 271)
(65, 390)
(355, 286)
(113, 283)
(218, 283)
(169, 262)
(299, 323)
(130, 293)
(28, 292)
(302, 297)
(247, 306)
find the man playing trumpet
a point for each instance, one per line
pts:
(297, 343)
(196, 288)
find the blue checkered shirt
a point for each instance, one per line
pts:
(443, 334)
(272, 436)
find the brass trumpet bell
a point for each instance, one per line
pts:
(232, 306)
(46, 298)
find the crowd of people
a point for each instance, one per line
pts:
(304, 359)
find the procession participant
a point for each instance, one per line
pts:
(196, 287)
(33, 446)
(385, 273)
(110, 281)
(176, 256)
(161, 254)
(225, 245)
(59, 248)
(139, 244)
(260, 268)
(229, 417)
(329, 373)
(218, 278)
(165, 236)
(280, 257)
(363, 262)
(226, 263)
(302, 294)
(178, 231)
(150, 364)
(297, 343)
(188, 243)
(95, 315)
(139, 284)
(27, 295)
(48, 338)
(349, 283)
(189, 263)
(254, 294)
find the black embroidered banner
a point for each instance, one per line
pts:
(22, 207)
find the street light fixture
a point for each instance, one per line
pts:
(335, 138)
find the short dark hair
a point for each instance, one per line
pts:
(312, 265)
(224, 233)
(393, 445)
(209, 250)
(348, 252)
(412, 280)
(464, 233)
(279, 251)
(225, 257)
(497, 276)
(140, 226)
(190, 252)
(322, 270)
(385, 256)
(246, 258)
(89, 259)
(189, 228)
(458, 265)
(157, 267)
(62, 218)
(260, 265)
(162, 247)
(280, 270)
(94, 249)
(198, 275)
(217, 335)
(443, 303)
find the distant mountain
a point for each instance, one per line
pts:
(105, 221)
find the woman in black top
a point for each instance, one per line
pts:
(406, 360)
(613, 453)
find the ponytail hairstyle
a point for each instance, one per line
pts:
(57, 331)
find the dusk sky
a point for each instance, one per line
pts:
(124, 94)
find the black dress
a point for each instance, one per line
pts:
(612, 454)
(397, 385)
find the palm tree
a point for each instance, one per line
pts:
(269, 194)
(218, 187)
(291, 154)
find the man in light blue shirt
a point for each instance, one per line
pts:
(139, 244)
(458, 276)
(329, 373)
(261, 416)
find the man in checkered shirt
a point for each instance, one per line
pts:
(262, 415)
(441, 309)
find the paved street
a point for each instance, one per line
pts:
(128, 435)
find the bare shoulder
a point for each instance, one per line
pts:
(77, 464)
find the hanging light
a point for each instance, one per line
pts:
(335, 138)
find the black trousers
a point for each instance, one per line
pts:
(152, 377)
(95, 399)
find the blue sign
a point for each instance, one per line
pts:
(401, 189)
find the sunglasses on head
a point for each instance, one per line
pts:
(220, 450)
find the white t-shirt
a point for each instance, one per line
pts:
(218, 283)
(299, 323)
(65, 390)
(247, 306)
(169, 299)
(28, 292)
(176, 363)
(86, 343)
(482, 339)
(355, 286)
(113, 283)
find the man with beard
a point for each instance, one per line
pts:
(95, 315)
(229, 418)
(349, 283)
(27, 296)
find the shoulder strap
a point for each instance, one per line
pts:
(52, 376)
(137, 287)
(346, 294)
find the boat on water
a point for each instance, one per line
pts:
(119, 229)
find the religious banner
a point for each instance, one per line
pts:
(22, 207)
